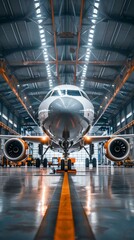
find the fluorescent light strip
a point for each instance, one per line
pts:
(42, 35)
(41, 31)
(90, 38)
(39, 20)
(43, 39)
(10, 121)
(38, 11)
(15, 125)
(97, 4)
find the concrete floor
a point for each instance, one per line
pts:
(106, 194)
(24, 196)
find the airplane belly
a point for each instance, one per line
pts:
(66, 120)
(62, 126)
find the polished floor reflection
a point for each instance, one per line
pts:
(106, 194)
(25, 194)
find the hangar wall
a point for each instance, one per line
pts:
(125, 116)
(80, 155)
(8, 118)
(123, 123)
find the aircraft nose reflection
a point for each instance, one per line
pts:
(65, 105)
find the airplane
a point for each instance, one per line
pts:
(66, 115)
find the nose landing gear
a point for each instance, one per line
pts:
(66, 166)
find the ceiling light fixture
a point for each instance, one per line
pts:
(90, 36)
(38, 10)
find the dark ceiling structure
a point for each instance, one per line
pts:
(88, 43)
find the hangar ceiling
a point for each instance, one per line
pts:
(88, 43)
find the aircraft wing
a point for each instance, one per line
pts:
(41, 139)
(90, 139)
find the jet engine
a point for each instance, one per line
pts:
(15, 149)
(117, 149)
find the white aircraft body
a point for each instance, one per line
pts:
(66, 115)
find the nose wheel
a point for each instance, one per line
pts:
(65, 164)
(69, 164)
(62, 165)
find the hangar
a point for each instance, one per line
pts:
(66, 49)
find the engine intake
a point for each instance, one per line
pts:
(117, 149)
(15, 149)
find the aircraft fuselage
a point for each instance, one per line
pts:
(66, 114)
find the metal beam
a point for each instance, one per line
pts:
(62, 75)
(78, 41)
(121, 19)
(12, 83)
(111, 17)
(68, 62)
(130, 124)
(6, 52)
(125, 52)
(8, 129)
(39, 91)
(9, 19)
(90, 93)
(119, 83)
(33, 80)
(74, 13)
(26, 18)
(99, 80)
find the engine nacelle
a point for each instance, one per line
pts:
(15, 149)
(117, 149)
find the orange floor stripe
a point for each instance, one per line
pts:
(65, 224)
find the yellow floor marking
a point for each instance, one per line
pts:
(65, 224)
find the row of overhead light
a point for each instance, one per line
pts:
(90, 39)
(43, 39)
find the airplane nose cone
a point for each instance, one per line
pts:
(66, 105)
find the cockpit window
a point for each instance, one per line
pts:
(73, 93)
(84, 95)
(59, 93)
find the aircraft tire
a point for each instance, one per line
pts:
(37, 162)
(62, 164)
(45, 163)
(69, 164)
